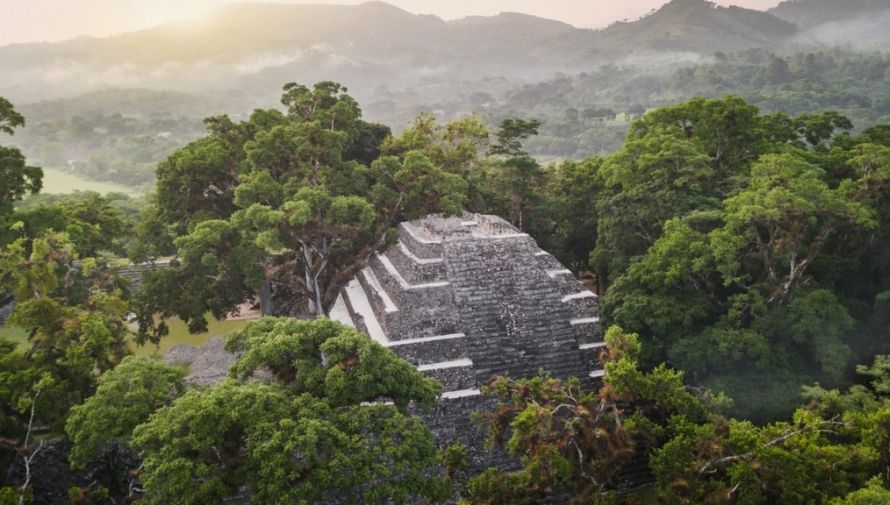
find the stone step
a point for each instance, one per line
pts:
(566, 282)
(454, 375)
(416, 270)
(398, 287)
(423, 310)
(582, 304)
(340, 312)
(423, 322)
(592, 354)
(428, 350)
(586, 329)
(381, 301)
(364, 317)
(597, 374)
(419, 243)
(461, 393)
(546, 261)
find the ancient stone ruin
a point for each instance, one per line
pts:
(464, 299)
(469, 298)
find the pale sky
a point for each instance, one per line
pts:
(52, 20)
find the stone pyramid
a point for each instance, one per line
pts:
(469, 298)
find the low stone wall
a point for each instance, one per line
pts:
(422, 248)
(135, 273)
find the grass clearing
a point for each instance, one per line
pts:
(179, 334)
(59, 182)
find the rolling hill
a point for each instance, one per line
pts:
(256, 47)
(812, 13)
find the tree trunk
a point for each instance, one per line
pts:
(266, 298)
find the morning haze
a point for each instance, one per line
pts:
(52, 20)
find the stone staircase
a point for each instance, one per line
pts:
(583, 308)
(466, 299)
(404, 301)
(471, 298)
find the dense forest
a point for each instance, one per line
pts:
(121, 135)
(741, 255)
(589, 113)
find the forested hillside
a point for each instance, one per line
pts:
(581, 115)
(253, 46)
(590, 113)
(811, 13)
(584, 85)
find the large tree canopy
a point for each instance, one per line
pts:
(287, 203)
(305, 418)
(741, 279)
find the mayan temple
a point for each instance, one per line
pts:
(469, 298)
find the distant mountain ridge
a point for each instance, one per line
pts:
(253, 48)
(698, 26)
(812, 13)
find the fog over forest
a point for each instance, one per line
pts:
(237, 58)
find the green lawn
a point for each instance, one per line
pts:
(179, 334)
(58, 181)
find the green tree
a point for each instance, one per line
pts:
(572, 191)
(414, 187)
(808, 460)
(741, 295)
(650, 180)
(9, 118)
(92, 223)
(71, 308)
(305, 435)
(17, 178)
(577, 441)
(74, 315)
(458, 147)
(512, 132)
(299, 215)
(826, 453)
(730, 130)
(873, 494)
(785, 219)
(125, 397)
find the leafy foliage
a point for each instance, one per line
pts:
(303, 436)
(732, 272)
(283, 202)
(125, 397)
(16, 178)
(577, 441)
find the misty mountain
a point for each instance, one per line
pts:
(256, 47)
(812, 13)
(112, 107)
(698, 27)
